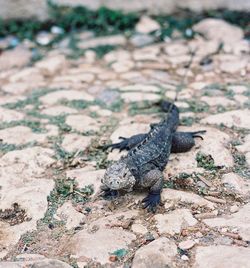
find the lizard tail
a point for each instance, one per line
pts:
(198, 132)
(195, 133)
(167, 106)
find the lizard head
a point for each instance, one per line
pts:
(118, 176)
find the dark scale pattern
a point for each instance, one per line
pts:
(148, 153)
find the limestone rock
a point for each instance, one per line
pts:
(27, 74)
(139, 97)
(87, 176)
(17, 57)
(185, 245)
(31, 196)
(217, 29)
(178, 60)
(149, 53)
(10, 99)
(182, 104)
(115, 220)
(240, 220)
(204, 47)
(58, 110)
(7, 115)
(185, 197)
(73, 142)
(35, 261)
(139, 229)
(159, 253)
(33, 161)
(248, 158)
(68, 213)
(100, 112)
(238, 89)
(177, 49)
(236, 183)
(82, 123)
(241, 99)
(117, 54)
(21, 135)
(233, 66)
(106, 76)
(234, 209)
(50, 66)
(147, 25)
(173, 222)
(215, 101)
(141, 87)
(237, 118)
(221, 256)
(245, 147)
(97, 246)
(116, 155)
(128, 130)
(54, 97)
(141, 40)
(217, 148)
(122, 66)
(22, 182)
(76, 78)
(113, 40)
(21, 87)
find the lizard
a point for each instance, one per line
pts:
(147, 157)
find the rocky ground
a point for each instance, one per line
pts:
(57, 112)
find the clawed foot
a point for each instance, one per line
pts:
(123, 145)
(151, 201)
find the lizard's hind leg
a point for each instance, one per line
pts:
(184, 141)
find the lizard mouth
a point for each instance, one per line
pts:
(114, 186)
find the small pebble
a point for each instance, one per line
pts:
(184, 245)
(184, 258)
(199, 234)
(139, 229)
(234, 209)
(149, 237)
(113, 258)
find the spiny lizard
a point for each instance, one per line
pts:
(147, 157)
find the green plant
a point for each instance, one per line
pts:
(205, 161)
(102, 21)
(198, 106)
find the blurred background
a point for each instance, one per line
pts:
(67, 24)
(13, 9)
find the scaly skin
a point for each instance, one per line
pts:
(147, 157)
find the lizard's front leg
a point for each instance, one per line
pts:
(108, 193)
(154, 181)
(126, 143)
